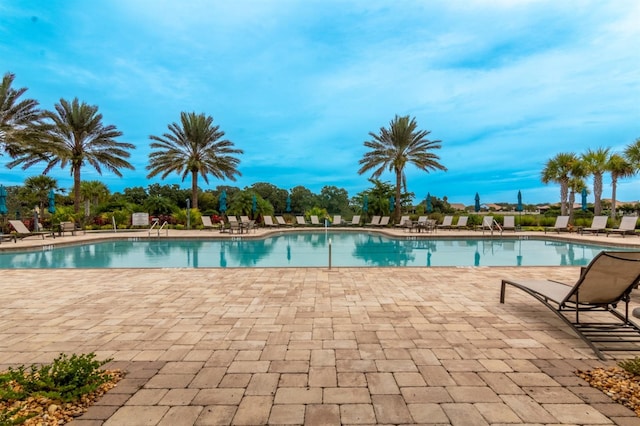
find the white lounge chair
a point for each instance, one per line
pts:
(375, 220)
(23, 232)
(627, 226)
(446, 222)
(300, 221)
(598, 224)
(314, 220)
(384, 221)
(268, 222)
(562, 224)
(462, 223)
(509, 223)
(281, 221)
(206, 222)
(355, 220)
(337, 220)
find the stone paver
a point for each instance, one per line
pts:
(309, 345)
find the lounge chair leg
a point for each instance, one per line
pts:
(502, 289)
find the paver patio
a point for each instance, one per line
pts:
(310, 345)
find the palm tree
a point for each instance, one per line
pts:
(559, 170)
(18, 118)
(193, 147)
(632, 153)
(576, 184)
(38, 187)
(92, 191)
(620, 168)
(596, 164)
(393, 148)
(77, 137)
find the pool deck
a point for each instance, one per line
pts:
(252, 346)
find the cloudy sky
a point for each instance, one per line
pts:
(298, 85)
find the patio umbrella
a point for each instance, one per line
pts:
(365, 204)
(429, 206)
(254, 204)
(223, 202)
(584, 199)
(519, 206)
(392, 204)
(3, 200)
(52, 202)
(288, 208)
(477, 206)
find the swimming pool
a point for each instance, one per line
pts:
(307, 249)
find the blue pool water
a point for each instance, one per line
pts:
(306, 249)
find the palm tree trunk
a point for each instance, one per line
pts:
(564, 193)
(572, 200)
(194, 189)
(614, 184)
(76, 188)
(597, 192)
(397, 212)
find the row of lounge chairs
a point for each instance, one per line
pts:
(599, 224)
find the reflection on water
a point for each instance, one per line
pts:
(307, 249)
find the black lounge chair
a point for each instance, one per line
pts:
(603, 284)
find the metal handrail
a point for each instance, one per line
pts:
(162, 227)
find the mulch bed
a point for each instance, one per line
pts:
(623, 387)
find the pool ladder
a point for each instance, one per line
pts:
(159, 229)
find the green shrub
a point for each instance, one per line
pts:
(631, 365)
(66, 379)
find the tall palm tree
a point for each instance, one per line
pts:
(395, 147)
(18, 118)
(596, 164)
(195, 146)
(559, 170)
(77, 137)
(620, 168)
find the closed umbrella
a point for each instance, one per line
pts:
(254, 204)
(223, 202)
(288, 208)
(365, 204)
(477, 206)
(3, 200)
(52, 202)
(584, 199)
(429, 206)
(392, 204)
(519, 206)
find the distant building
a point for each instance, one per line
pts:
(457, 206)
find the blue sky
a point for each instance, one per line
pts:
(298, 85)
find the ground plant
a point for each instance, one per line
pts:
(39, 391)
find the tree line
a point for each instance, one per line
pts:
(73, 135)
(570, 170)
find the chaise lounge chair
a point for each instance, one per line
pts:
(509, 223)
(462, 223)
(605, 282)
(281, 221)
(23, 232)
(207, 224)
(300, 221)
(268, 222)
(384, 221)
(446, 223)
(375, 220)
(627, 226)
(337, 220)
(355, 220)
(562, 224)
(314, 220)
(598, 224)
